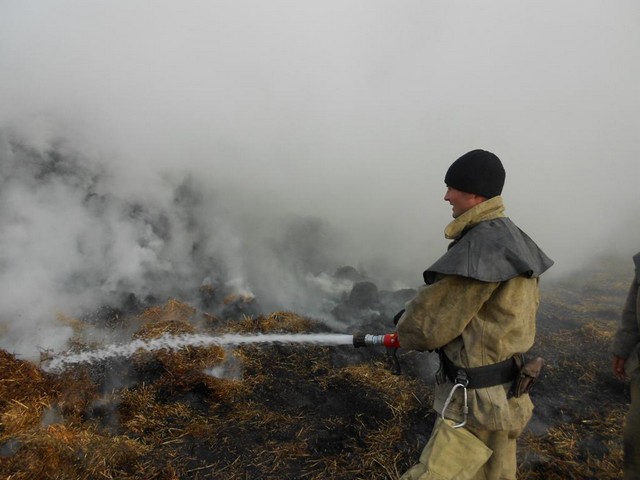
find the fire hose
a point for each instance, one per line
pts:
(388, 340)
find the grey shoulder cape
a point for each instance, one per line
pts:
(491, 251)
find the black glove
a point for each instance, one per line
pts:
(397, 316)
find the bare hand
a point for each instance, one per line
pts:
(617, 364)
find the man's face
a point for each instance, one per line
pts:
(461, 201)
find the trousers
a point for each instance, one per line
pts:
(631, 432)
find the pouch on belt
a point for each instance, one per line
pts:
(527, 375)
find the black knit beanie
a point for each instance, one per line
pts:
(477, 171)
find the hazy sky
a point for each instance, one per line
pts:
(273, 112)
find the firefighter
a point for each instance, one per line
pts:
(626, 362)
(477, 309)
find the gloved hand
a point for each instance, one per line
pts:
(397, 316)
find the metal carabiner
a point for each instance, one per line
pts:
(461, 382)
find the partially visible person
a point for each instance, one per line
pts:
(626, 363)
(478, 309)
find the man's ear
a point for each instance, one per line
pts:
(477, 199)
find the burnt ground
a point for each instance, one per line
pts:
(576, 431)
(300, 411)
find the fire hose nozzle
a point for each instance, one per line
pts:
(389, 340)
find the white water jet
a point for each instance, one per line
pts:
(169, 342)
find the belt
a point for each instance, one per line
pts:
(481, 377)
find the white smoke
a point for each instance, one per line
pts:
(74, 238)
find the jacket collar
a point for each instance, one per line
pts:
(487, 210)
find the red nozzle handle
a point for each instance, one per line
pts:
(390, 340)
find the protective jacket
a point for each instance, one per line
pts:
(626, 343)
(479, 313)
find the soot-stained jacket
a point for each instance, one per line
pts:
(626, 342)
(479, 307)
